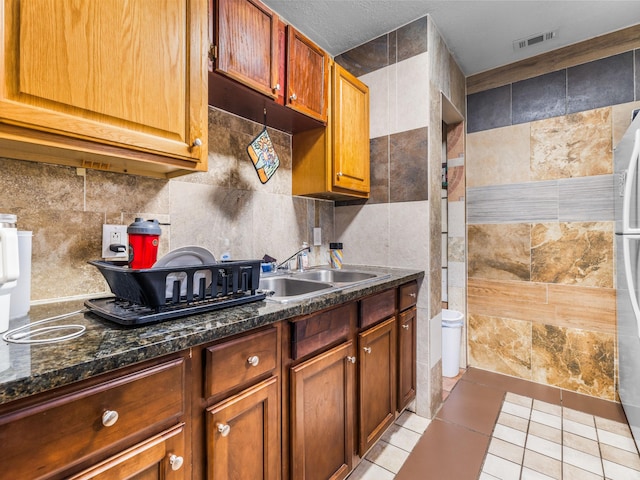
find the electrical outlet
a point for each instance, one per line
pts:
(113, 235)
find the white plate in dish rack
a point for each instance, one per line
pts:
(186, 257)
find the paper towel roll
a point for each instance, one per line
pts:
(21, 294)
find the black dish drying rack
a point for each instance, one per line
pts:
(156, 294)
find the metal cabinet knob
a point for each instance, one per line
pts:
(109, 418)
(197, 143)
(339, 174)
(224, 429)
(406, 327)
(176, 462)
(276, 87)
(293, 97)
(351, 359)
(367, 349)
(412, 295)
(253, 360)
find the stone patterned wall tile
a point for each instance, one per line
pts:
(540, 97)
(500, 345)
(586, 199)
(489, 109)
(621, 117)
(573, 253)
(412, 39)
(516, 203)
(439, 57)
(411, 249)
(27, 184)
(455, 184)
(455, 141)
(636, 56)
(408, 166)
(457, 88)
(456, 249)
(576, 145)
(379, 155)
(114, 191)
(574, 359)
(499, 156)
(603, 82)
(364, 230)
(456, 219)
(499, 252)
(366, 58)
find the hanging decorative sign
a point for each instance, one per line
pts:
(262, 154)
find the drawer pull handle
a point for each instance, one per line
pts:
(224, 429)
(351, 359)
(293, 97)
(412, 295)
(109, 418)
(367, 349)
(406, 327)
(176, 462)
(253, 360)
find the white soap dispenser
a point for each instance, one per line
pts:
(304, 256)
(226, 251)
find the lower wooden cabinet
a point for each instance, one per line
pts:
(322, 393)
(377, 382)
(242, 435)
(406, 357)
(159, 458)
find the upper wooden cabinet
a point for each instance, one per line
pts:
(117, 85)
(245, 47)
(334, 162)
(258, 64)
(307, 76)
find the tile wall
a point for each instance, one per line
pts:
(407, 71)
(66, 207)
(541, 268)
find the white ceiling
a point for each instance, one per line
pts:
(479, 33)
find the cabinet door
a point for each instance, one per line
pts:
(130, 74)
(307, 76)
(377, 384)
(406, 358)
(350, 132)
(243, 439)
(160, 458)
(247, 44)
(322, 415)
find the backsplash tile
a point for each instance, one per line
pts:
(410, 90)
(573, 253)
(585, 199)
(600, 83)
(379, 155)
(489, 109)
(576, 145)
(539, 97)
(368, 57)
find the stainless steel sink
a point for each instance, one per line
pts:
(298, 286)
(285, 288)
(335, 276)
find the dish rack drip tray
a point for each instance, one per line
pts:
(163, 293)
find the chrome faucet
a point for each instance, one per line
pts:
(299, 265)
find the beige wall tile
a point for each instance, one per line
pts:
(500, 344)
(574, 359)
(621, 119)
(499, 252)
(573, 253)
(499, 156)
(576, 145)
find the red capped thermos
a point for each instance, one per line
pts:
(144, 236)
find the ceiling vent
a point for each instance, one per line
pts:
(534, 40)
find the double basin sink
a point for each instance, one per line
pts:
(296, 286)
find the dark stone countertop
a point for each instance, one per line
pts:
(29, 369)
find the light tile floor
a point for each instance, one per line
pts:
(531, 440)
(538, 440)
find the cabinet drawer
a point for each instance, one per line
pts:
(52, 437)
(408, 295)
(238, 362)
(313, 333)
(377, 307)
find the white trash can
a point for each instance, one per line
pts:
(452, 322)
